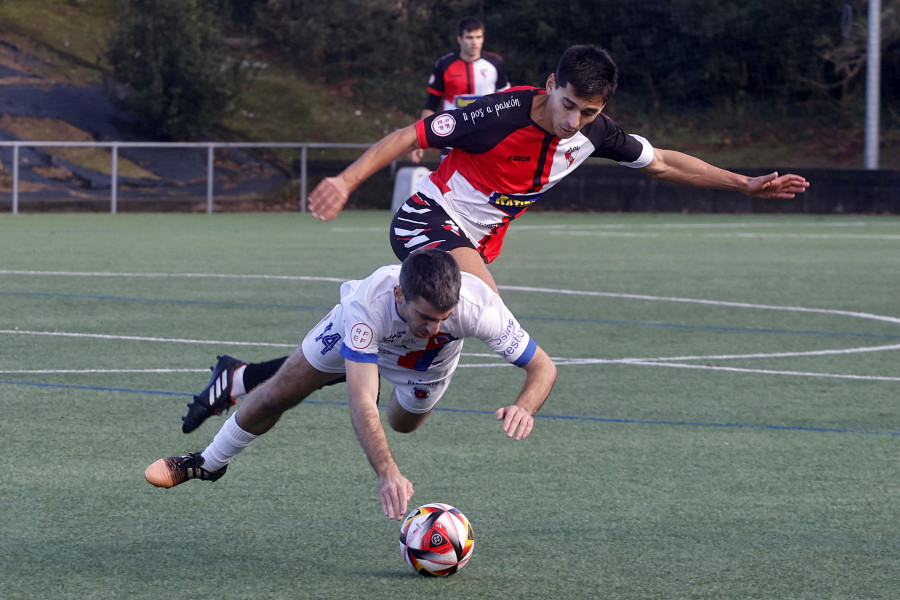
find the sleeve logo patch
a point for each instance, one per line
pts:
(361, 336)
(443, 125)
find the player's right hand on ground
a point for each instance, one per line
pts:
(395, 491)
(517, 422)
(329, 197)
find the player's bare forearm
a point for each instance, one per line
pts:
(677, 167)
(330, 196)
(540, 376)
(384, 152)
(394, 490)
(362, 388)
(518, 419)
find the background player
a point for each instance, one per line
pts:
(406, 324)
(461, 77)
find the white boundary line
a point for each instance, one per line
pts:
(821, 311)
(887, 347)
(671, 362)
(139, 338)
(743, 224)
(766, 371)
(95, 371)
(560, 361)
(514, 288)
(175, 275)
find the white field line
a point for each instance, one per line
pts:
(588, 230)
(96, 371)
(741, 224)
(176, 275)
(658, 362)
(744, 224)
(862, 349)
(560, 361)
(785, 236)
(765, 371)
(138, 338)
(670, 362)
(810, 236)
(803, 309)
(515, 288)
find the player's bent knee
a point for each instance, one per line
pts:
(403, 421)
(408, 425)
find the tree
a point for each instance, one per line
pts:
(842, 69)
(170, 59)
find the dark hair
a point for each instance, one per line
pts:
(468, 24)
(590, 70)
(432, 275)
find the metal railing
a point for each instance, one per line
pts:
(211, 147)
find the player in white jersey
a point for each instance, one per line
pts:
(406, 323)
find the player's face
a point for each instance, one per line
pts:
(423, 319)
(568, 112)
(470, 44)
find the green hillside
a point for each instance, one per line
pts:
(64, 40)
(67, 37)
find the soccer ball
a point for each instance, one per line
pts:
(436, 540)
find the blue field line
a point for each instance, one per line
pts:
(521, 317)
(490, 412)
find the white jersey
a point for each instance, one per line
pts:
(366, 327)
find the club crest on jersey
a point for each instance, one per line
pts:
(510, 204)
(439, 339)
(443, 125)
(570, 155)
(361, 336)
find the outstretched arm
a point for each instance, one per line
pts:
(330, 196)
(394, 489)
(677, 167)
(540, 375)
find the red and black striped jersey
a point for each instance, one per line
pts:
(501, 161)
(455, 78)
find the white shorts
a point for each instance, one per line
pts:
(416, 391)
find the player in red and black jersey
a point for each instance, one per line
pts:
(507, 149)
(461, 77)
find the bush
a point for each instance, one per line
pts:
(172, 66)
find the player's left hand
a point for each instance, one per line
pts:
(517, 422)
(329, 197)
(395, 491)
(773, 186)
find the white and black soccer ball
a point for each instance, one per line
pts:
(436, 540)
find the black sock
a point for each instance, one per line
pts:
(256, 373)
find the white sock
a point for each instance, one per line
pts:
(237, 382)
(227, 444)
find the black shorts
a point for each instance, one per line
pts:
(420, 222)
